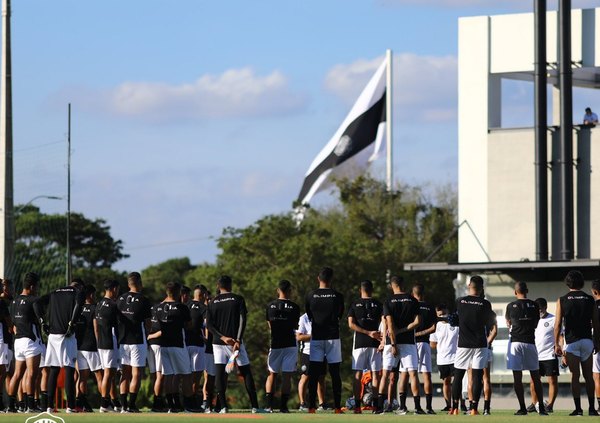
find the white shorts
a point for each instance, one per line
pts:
(6, 355)
(424, 357)
(43, 359)
(326, 349)
(476, 358)
(197, 359)
(210, 364)
(282, 360)
(25, 348)
(175, 361)
(408, 356)
(522, 356)
(367, 359)
(222, 353)
(582, 348)
(61, 351)
(595, 363)
(109, 359)
(88, 360)
(133, 355)
(154, 358)
(390, 362)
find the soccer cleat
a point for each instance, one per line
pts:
(473, 412)
(207, 410)
(338, 411)
(419, 411)
(454, 412)
(544, 413)
(531, 408)
(268, 410)
(548, 407)
(223, 410)
(284, 410)
(592, 412)
(430, 411)
(357, 411)
(71, 410)
(521, 412)
(445, 409)
(260, 411)
(231, 362)
(108, 409)
(487, 412)
(302, 407)
(401, 411)
(576, 413)
(312, 411)
(133, 410)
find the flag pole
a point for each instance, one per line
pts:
(388, 121)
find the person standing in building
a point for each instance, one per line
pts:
(590, 118)
(575, 311)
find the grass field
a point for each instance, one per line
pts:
(499, 416)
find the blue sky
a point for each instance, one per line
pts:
(190, 116)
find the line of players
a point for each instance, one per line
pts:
(181, 338)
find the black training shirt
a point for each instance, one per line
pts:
(7, 337)
(62, 305)
(577, 309)
(84, 329)
(475, 318)
(134, 309)
(24, 318)
(195, 334)
(227, 317)
(284, 316)
(209, 336)
(172, 317)
(403, 308)
(367, 314)
(107, 322)
(523, 315)
(325, 308)
(154, 325)
(428, 319)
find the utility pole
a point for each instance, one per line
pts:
(69, 262)
(7, 223)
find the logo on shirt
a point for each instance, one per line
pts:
(546, 324)
(44, 418)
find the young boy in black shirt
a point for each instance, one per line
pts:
(282, 318)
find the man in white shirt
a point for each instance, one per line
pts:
(544, 343)
(445, 340)
(303, 338)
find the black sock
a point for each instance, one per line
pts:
(428, 399)
(12, 402)
(474, 405)
(380, 402)
(269, 397)
(105, 402)
(115, 402)
(487, 404)
(284, 401)
(402, 400)
(176, 401)
(132, 399)
(169, 398)
(591, 403)
(246, 373)
(598, 399)
(577, 402)
(447, 402)
(30, 401)
(123, 398)
(417, 400)
(44, 400)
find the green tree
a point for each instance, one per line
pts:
(156, 276)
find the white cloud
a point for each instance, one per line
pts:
(234, 93)
(425, 87)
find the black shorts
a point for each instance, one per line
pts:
(549, 367)
(305, 364)
(446, 370)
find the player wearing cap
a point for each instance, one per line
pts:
(282, 316)
(226, 319)
(422, 334)
(88, 359)
(28, 345)
(325, 307)
(63, 306)
(196, 344)
(544, 343)
(445, 340)
(106, 330)
(575, 310)
(476, 318)
(173, 317)
(134, 317)
(522, 316)
(364, 318)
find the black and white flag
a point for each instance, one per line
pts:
(358, 141)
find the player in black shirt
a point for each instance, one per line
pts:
(210, 372)
(6, 337)
(522, 317)
(196, 344)
(575, 310)
(426, 327)
(155, 363)
(88, 359)
(401, 312)
(364, 318)
(134, 320)
(282, 317)
(63, 307)
(28, 345)
(226, 319)
(477, 327)
(105, 328)
(325, 307)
